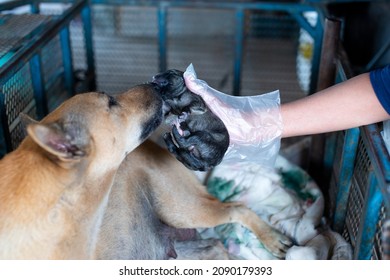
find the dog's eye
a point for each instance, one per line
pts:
(112, 101)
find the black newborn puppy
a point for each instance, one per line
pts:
(200, 139)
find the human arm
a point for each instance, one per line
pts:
(345, 105)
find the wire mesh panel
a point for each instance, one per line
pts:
(336, 169)
(77, 45)
(15, 29)
(357, 194)
(125, 43)
(205, 38)
(377, 249)
(35, 70)
(269, 61)
(53, 71)
(135, 41)
(359, 203)
(18, 97)
(79, 53)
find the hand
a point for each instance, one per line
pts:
(249, 119)
(254, 122)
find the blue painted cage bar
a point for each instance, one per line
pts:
(360, 164)
(360, 183)
(296, 10)
(241, 10)
(40, 84)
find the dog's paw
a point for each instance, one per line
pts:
(185, 129)
(183, 116)
(180, 140)
(171, 144)
(277, 243)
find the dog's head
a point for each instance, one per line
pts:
(98, 126)
(171, 83)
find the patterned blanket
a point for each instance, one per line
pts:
(286, 198)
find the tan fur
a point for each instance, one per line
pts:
(178, 199)
(51, 198)
(86, 200)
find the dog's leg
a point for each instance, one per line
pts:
(182, 202)
(207, 211)
(202, 249)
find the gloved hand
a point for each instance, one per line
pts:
(254, 123)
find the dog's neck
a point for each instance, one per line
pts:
(66, 194)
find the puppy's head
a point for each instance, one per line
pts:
(171, 83)
(99, 127)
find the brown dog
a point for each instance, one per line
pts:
(54, 188)
(151, 185)
(64, 193)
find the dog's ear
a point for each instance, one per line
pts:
(67, 141)
(25, 120)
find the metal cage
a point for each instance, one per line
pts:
(239, 47)
(359, 187)
(36, 69)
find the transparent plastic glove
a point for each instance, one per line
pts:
(254, 123)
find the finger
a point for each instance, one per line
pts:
(196, 86)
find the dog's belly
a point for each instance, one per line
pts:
(131, 229)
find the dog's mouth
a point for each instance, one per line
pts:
(151, 125)
(159, 90)
(156, 115)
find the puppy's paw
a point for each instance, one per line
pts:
(183, 116)
(171, 145)
(185, 129)
(277, 243)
